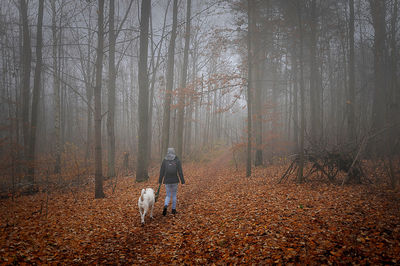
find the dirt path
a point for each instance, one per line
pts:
(180, 237)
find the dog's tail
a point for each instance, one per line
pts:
(141, 195)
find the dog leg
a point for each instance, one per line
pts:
(141, 215)
(151, 212)
(144, 214)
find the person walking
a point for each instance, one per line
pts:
(171, 167)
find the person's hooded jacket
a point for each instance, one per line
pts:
(171, 178)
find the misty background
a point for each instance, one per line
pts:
(317, 76)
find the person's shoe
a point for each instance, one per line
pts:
(173, 211)
(164, 212)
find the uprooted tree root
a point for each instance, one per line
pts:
(328, 164)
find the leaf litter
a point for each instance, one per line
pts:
(223, 218)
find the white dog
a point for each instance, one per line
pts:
(146, 202)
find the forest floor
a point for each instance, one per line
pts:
(223, 218)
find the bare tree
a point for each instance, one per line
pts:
(25, 74)
(395, 91)
(380, 89)
(295, 98)
(351, 95)
(154, 67)
(378, 19)
(181, 99)
(257, 84)
(88, 76)
(56, 88)
(250, 52)
(315, 91)
(36, 94)
(111, 94)
(169, 82)
(97, 104)
(143, 109)
(113, 34)
(300, 177)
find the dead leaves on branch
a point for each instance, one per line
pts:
(222, 218)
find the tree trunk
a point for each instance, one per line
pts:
(141, 169)
(63, 110)
(25, 74)
(295, 99)
(300, 177)
(395, 90)
(250, 51)
(113, 33)
(154, 75)
(378, 104)
(257, 75)
(56, 88)
(36, 94)
(394, 56)
(97, 104)
(351, 129)
(111, 94)
(193, 103)
(88, 77)
(315, 108)
(169, 82)
(181, 103)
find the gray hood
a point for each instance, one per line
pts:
(170, 154)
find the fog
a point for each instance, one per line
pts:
(318, 76)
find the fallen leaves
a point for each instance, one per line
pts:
(223, 218)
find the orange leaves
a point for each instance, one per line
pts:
(223, 218)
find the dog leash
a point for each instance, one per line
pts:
(158, 192)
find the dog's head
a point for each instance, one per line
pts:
(141, 195)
